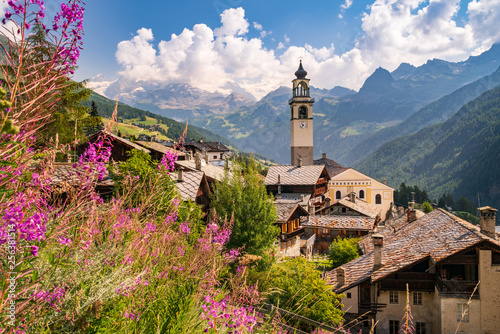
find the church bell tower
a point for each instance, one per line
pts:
(301, 106)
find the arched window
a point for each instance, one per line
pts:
(302, 89)
(361, 194)
(302, 112)
(378, 199)
(338, 195)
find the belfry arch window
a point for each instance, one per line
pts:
(301, 89)
(378, 199)
(338, 195)
(302, 112)
(361, 194)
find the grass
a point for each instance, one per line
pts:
(129, 129)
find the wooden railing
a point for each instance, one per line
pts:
(286, 236)
(452, 287)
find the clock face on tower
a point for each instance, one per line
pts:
(303, 125)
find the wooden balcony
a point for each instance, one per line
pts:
(416, 282)
(370, 307)
(457, 287)
(288, 236)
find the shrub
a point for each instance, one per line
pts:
(342, 251)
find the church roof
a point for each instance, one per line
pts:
(294, 175)
(300, 73)
(332, 167)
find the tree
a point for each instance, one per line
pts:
(297, 286)
(244, 195)
(427, 207)
(464, 204)
(343, 251)
(93, 123)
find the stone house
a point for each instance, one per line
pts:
(451, 268)
(289, 222)
(303, 182)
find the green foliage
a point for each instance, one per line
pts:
(175, 129)
(295, 285)
(427, 207)
(459, 156)
(468, 217)
(342, 251)
(466, 205)
(402, 195)
(244, 196)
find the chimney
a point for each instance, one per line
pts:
(68, 157)
(340, 277)
(384, 181)
(312, 209)
(180, 175)
(411, 215)
(279, 178)
(352, 197)
(279, 190)
(323, 155)
(378, 243)
(197, 161)
(487, 221)
(300, 162)
(302, 198)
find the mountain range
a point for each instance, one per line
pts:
(459, 156)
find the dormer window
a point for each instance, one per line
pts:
(302, 112)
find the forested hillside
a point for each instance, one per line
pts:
(175, 129)
(459, 156)
(435, 112)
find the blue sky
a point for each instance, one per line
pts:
(255, 44)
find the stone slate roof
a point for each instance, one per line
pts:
(340, 222)
(361, 206)
(332, 167)
(437, 235)
(286, 210)
(209, 146)
(158, 147)
(294, 175)
(292, 198)
(188, 188)
(64, 175)
(124, 141)
(212, 172)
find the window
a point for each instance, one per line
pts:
(420, 328)
(215, 157)
(378, 199)
(348, 295)
(338, 195)
(417, 298)
(462, 312)
(393, 326)
(393, 297)
(361, 194)
(344, 210)
(302, 112)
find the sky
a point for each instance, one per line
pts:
(218, 45)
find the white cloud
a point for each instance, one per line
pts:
(346, 5)
(257, 26)
(392, 31)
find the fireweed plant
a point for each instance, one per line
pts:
(140, 262)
